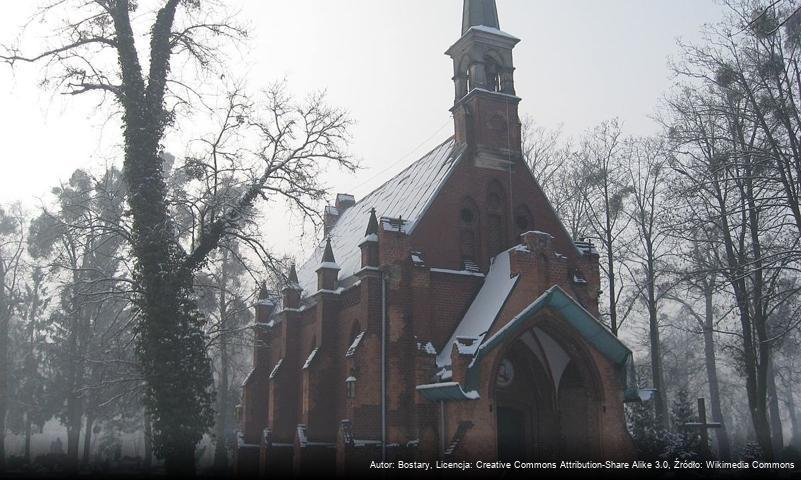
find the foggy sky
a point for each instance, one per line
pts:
(579, 62)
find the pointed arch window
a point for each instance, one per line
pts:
(468, 233)
(524, 220)
(492, 70)
(496, 218)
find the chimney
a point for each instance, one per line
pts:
(330, 218)
(332, 212)
(264, 308)
(538, 242)
(344, 201)
(369, 245)
(264, 305)
(328, 271)
(291, 292)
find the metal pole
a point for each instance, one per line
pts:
(442, 428)
(383, 367)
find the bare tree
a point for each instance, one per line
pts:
(32, 407)
(558, 170)
(728, 199)
(699, 277)
(605, 195)
(648, 177)
(83, 239)
(97, 52)
(12, 245)
(225, 296)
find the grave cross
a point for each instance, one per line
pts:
(702, 424)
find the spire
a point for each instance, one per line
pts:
(479, 12)
(292, 290)
(372, 224)
(328, 254)
(328, 271)
(292, 282)
(263, 300)
(369, 245)
(293, 275)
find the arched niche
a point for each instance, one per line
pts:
(524, 220)
(496, 218)
(469, 222)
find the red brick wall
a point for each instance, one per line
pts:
(423, 306)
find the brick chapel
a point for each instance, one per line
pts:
(447, 315)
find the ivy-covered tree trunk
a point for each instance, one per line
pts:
(171, 345)
(296, 140)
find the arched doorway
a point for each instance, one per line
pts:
(546, 400)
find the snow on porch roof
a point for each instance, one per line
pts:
(485, 308)
(407, 194)
(595, 333)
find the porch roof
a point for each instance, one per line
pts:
(556, 300)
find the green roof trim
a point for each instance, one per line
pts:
(555, 299)
(595, 333)
(445, 391)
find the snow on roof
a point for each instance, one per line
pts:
(406, 195)
(484, 28)
(427, 347)
(484, 309)
(310, 359)
(249, 377)
(276, 368)
(329, 265)
(353, 346)
(586, 248)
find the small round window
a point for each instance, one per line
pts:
(467, 215)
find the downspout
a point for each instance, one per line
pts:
(383, 367)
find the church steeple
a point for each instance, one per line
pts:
(485, 105)
(479, 12)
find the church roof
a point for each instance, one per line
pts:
(407, 195)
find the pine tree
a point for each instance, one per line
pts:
(683, 443)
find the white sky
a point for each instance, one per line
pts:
(579, 62)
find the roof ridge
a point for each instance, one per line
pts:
(409, 192)
(420, 159)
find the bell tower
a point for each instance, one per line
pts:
(485, 109)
